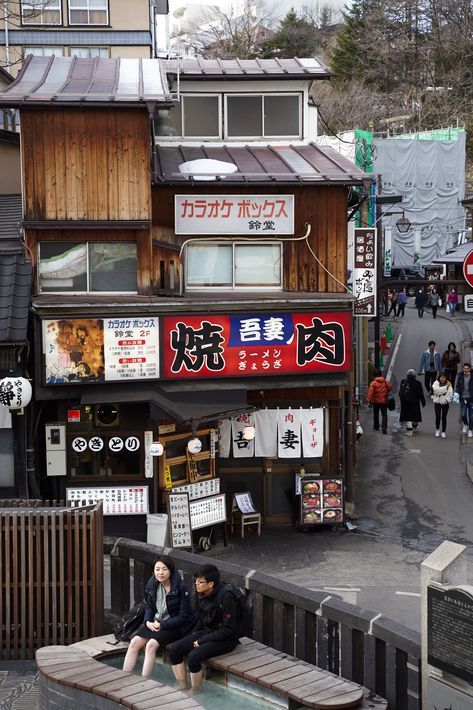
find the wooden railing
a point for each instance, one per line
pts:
(355, 643)
(51, 567)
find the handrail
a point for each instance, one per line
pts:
(317, 627)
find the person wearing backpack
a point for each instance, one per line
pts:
(216, 631)
(411, 396)
(378, 398)
(168, 615)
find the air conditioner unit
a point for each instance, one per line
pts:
(106, 415)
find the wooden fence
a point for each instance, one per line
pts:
(354, 643)
(51, 566)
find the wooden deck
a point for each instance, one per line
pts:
(299, 681)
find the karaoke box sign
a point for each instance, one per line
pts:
(269, 344)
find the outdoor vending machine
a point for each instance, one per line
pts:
(321, 500)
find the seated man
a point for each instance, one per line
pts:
(215, 632)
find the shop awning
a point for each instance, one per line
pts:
(181, 406)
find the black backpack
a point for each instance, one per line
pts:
(130, 622)
(244, 615)
(404, 391)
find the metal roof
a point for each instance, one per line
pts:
(15, 294)
(308, 163)
(198, 68)
(454, 256)
(94, 82)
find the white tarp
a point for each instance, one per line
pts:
(430, 175)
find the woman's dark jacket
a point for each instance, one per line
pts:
(217, 616)
(459, 385)
(410, 408)
(420, 300)
(178, 601)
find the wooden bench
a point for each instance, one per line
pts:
(300, 682)
(69, 672)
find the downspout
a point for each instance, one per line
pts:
(7, 42)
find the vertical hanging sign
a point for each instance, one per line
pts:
(364, 273)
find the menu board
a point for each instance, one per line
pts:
(179, 520)
(208, 511)
(121, 500)
(321, 501)
(200, 489)
(450, 630)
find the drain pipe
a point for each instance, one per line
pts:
(7, 41)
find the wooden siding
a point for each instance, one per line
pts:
(51, 565)
(87, 164)
(324, 207)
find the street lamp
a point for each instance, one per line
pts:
(403, 225)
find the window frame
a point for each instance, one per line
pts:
(264, 136)
(192, 94)
(87, 243)
(70, 7)
(97, 56)
(235, 243)
(37, 18)
(31, 50)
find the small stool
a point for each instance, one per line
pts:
(245, 519)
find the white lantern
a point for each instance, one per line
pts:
(195, 446)
(15, 392)
(249, 433)
(156, 448)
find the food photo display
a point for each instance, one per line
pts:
(321, 501)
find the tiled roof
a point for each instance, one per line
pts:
(10, 219)
(94, 82)
(15, 294)
(198, 68)
(309, 163)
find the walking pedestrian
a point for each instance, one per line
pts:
(452, 302)
(393, 304)
(450, 361)
(464, 388)
(216, 631)
(434, 302)
(168, 616)
(443, 393)
(411, 397)
(378, 398)
(420, 303)
(401, 303)
(429, 365)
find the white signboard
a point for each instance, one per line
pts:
(131, 348)
(208, 511)
(244, 503)
(79, 351)
(123, 500)
(179, 520)
(255, 215)
(148, 440)
(364, 272)
(201, 489)
(468, 302)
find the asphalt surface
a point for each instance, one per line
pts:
(411, 494)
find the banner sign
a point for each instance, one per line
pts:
(179, 520)
(269, 344)
(234, 214)
(101, 350)
(364, 273)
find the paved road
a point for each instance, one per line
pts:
(412, 493)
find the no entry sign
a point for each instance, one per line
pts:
(468, 268)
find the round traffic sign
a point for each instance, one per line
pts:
(468, 268)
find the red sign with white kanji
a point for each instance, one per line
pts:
(468, 268)
(256, 344)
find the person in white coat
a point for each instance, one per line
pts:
(442, 396)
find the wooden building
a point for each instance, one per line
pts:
(189, 242)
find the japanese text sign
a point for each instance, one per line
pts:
(208, 511)
(179, 520)
(79, 351)
(122, 500)
(234, 214)
(364, 273)
(269, 344)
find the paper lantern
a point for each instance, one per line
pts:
(249, 433)
(195, 446)
(15, 392)
(156, 448)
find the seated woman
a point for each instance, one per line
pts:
(168, 617)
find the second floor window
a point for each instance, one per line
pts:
(43, 51)
(87, 52)
(41, 12)
(234, 265)
(84, 267)
(88, 12)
